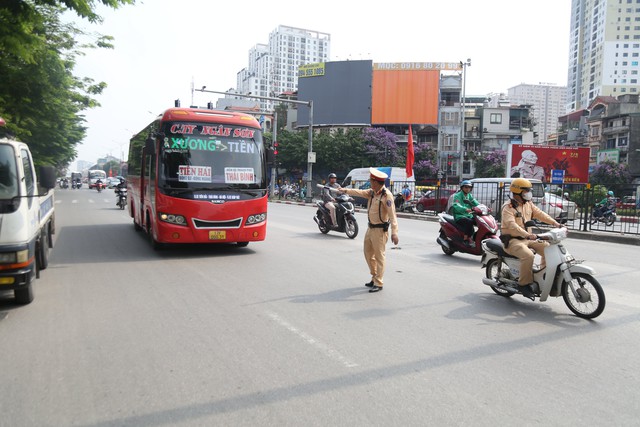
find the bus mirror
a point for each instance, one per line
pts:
(150, 146)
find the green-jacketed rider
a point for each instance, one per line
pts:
(461, 206)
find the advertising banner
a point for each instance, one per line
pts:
(538, 162)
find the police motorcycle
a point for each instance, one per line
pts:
(345, 215)
(121, 195)
(451, 237)
(563, 276)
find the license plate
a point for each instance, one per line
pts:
(217, 235)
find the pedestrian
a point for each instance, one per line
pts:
(381, 214)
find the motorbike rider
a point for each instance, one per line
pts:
(462, 203)
(609, 202)
(518, 239)
(121, 185)
(329, 200)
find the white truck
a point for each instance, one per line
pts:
(27, 219)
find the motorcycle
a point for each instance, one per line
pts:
(121, 194)
(451, 238)
(345, 216)
(99, 187)
(402, 206)
(64, 184)
(76, 184)
(606, 214)
(563, 276)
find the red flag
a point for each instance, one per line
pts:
(410, 155)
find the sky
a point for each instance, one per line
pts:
(162, 46)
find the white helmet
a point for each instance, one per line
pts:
(529, 156)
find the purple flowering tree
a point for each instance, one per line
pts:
(610, 174)
(381, 146)
(491, 164)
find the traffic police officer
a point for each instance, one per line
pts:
(381, 213)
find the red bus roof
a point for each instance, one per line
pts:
(205, 115)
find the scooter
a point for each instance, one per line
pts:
(345, 216)
(121, 194)
(402, 206)
(606, 214)
(563, 276)
(451, 238)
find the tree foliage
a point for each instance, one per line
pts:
(40, 98)
(610, 174)
(491, 164)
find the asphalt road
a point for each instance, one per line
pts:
(283, 332)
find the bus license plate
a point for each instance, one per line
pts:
(217, 235)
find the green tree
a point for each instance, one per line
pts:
(20, 19)
(40, 98)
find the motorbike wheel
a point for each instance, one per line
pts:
(322, 225)
(494, 270)
(593, 219)
(584, 296)
(609, 220)
(449, 250)
(351, 227)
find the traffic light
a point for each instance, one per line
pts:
(449, 163)
(275, 147)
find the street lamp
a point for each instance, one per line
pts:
(464, 66)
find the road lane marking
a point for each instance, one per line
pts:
(325, 349)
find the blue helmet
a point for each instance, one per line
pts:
(466, 183)
(610, 193)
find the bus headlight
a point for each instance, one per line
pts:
(257, 218)
(173, 219)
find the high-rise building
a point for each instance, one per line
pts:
(548, 103)
(273, 67)
(604, 50)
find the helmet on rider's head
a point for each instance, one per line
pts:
(332, 175)
(466, 183)
(610, 193)
(519, 184)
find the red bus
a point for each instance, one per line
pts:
(198, 175)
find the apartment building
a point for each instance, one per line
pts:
(547, 103)
(273, 67)
(604, 50)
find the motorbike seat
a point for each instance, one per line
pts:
(495, 245)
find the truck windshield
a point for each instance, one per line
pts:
(8, 173)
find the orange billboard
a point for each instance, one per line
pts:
(404, 96)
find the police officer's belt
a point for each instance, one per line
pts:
(384, 225)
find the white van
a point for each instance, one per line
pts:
(494, 192)
(359, 178)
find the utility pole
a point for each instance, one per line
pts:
(464, 66)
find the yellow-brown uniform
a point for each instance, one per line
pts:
(380, 210)
(514, 216)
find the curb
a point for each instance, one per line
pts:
(625, 239)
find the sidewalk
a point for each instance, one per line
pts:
(627, 239)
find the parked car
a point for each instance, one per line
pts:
(559, 208)
(627, 202)
(434, 200)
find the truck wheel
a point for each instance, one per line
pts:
(42, 258)
(24, 295)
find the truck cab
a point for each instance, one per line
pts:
(27, 219)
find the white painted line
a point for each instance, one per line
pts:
(328, 351)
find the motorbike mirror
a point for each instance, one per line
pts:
(530, 223)
(150, 145)
(467, 202)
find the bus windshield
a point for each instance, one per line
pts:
(198, 156)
